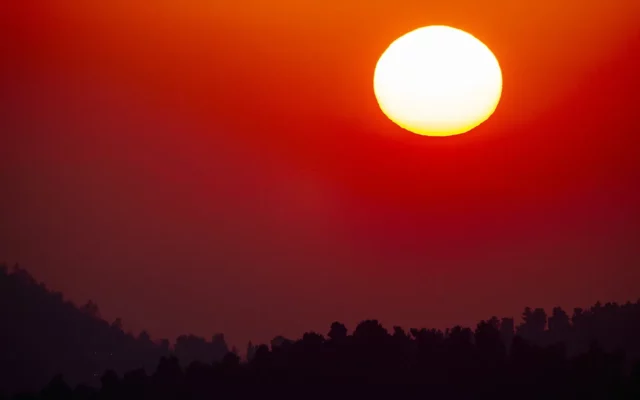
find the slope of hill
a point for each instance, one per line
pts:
(42, 335)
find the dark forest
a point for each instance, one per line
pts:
(52, 349)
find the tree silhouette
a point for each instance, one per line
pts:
(592, 355)
(338, 332)
(57, 389)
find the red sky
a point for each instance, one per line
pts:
(225, 168)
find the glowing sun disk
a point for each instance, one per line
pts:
(438, 81)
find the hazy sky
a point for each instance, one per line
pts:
(225, 168)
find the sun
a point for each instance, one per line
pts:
(438, 81)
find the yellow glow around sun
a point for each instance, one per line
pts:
(438, 81)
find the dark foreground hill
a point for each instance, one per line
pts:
(41, 335)
(49, 346)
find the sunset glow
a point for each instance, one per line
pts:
(230, 167)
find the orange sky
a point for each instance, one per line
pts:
(148, 127)
(317, 58)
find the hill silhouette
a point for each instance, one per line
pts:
(42, 335)
(55, 350)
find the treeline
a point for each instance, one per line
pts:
(591, 354)
(42, 335)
